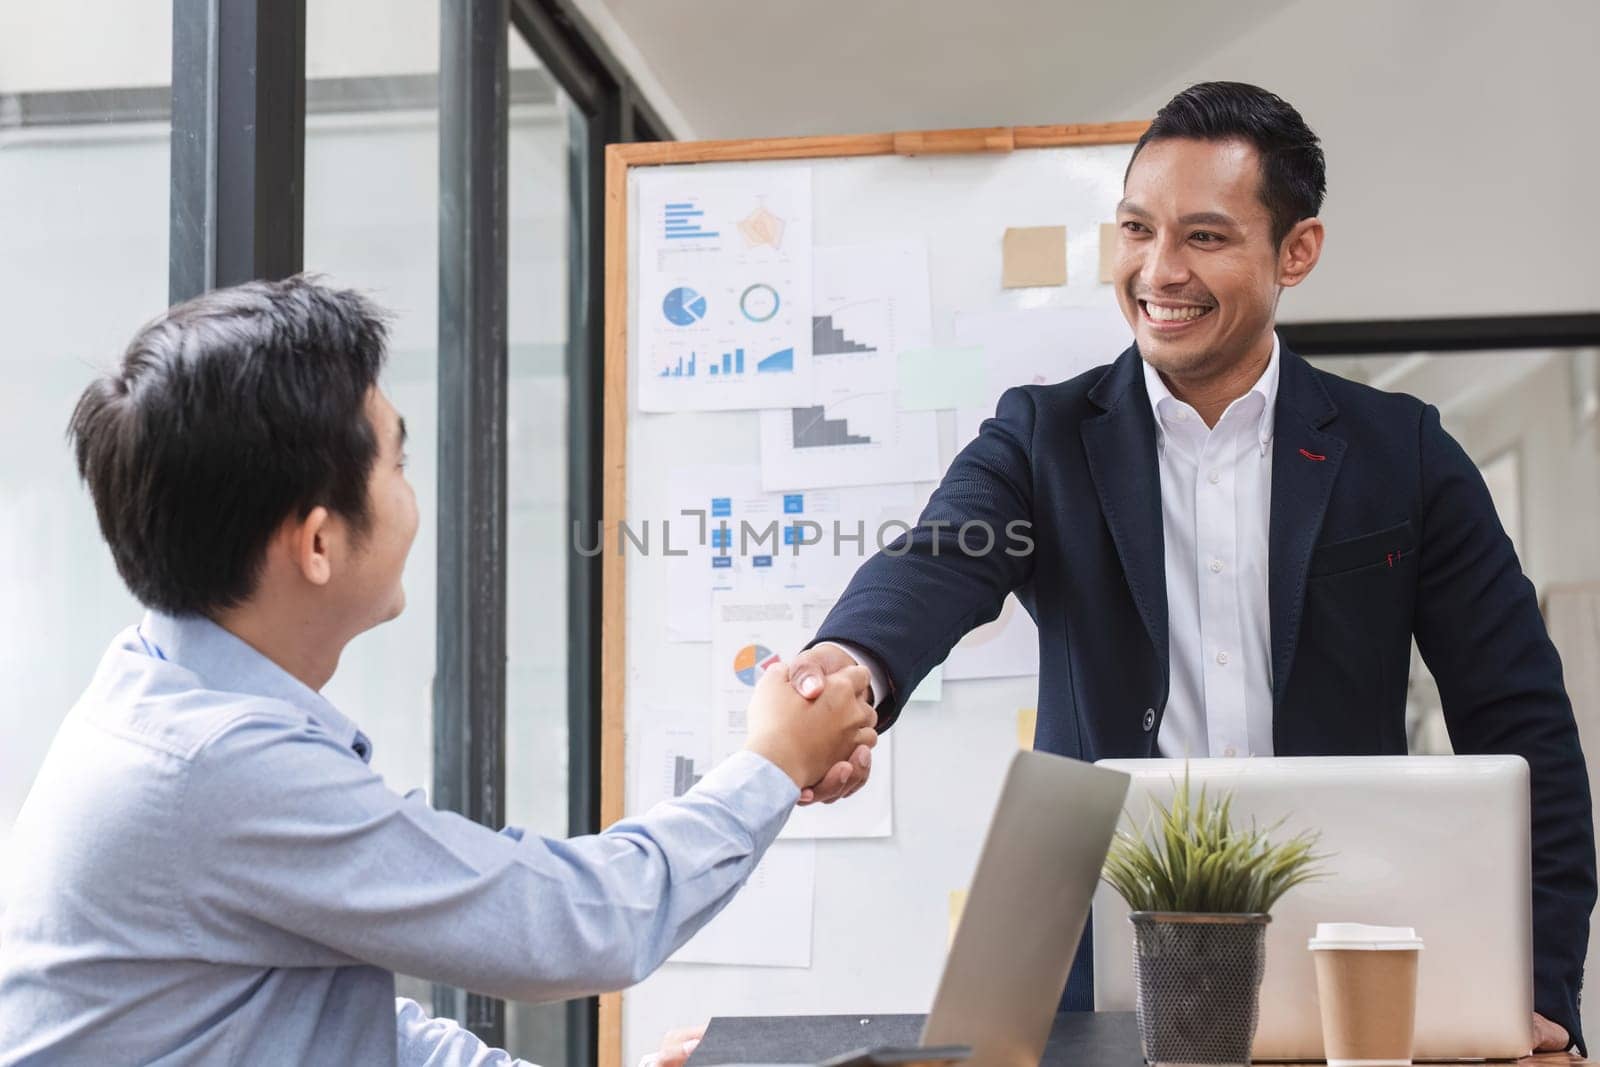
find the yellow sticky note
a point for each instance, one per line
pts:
(1108, 250)
(1034, 255)
(1027, 720)
(958, 904)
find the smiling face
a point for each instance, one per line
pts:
(1198, 273)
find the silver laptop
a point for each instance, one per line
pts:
(1026, 909)
(1441, 843)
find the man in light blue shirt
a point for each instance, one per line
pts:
(208, 871)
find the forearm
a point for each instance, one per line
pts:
(364, 875)
(422, 1041)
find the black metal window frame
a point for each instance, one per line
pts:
(1489, 333)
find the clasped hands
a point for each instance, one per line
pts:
(808, 673)
(813, 719)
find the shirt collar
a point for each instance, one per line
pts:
(227, 663)
(1266, 387)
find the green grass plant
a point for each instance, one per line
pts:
(1191, 858)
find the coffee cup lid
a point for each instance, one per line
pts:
(1359, 936)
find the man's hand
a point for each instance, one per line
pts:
(675, 1048)
(805, 737)
(1549, 1036)
(807, 672)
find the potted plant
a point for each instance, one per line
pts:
(1201, 890)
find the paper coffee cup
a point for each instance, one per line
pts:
(1367, 988)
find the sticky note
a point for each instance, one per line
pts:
(1027, 721)
(1034, 255)
(958, 904)
(932, 687)
(935, 379)
(1108, 250)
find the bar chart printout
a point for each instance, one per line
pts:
(684, 776)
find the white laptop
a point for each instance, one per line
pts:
(1441, 843)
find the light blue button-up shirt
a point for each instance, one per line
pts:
(207, 871)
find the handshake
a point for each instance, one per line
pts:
(813, 718)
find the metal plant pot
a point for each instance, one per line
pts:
(1199, 982)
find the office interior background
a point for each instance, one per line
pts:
(1461, 157)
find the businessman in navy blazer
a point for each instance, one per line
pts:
(1229, 551)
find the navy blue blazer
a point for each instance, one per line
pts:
(1381, 529)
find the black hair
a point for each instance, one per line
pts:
(228, 414)
(1293, 172)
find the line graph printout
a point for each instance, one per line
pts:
(723, 316)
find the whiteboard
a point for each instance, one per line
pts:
(881, 912)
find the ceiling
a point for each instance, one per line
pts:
(742, 69)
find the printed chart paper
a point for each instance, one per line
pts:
(674, 753)
(723, 319)
(739, 538)
(1038, 347)
(870, 304)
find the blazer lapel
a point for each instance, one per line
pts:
(1305, 463)
(1121, 449)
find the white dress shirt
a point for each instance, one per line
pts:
(1216, 499)
(1216, 503)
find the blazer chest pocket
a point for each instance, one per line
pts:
(1381, 548)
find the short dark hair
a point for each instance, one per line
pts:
(1293, 172)
(228, 414)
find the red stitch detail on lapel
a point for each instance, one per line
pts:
(1312, 455)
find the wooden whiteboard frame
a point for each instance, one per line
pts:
(613, 597)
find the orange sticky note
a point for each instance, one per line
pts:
(1108, 250)
(1027, 722)
(1034, 255)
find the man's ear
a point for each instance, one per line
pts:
(1301, 249)
(310, 543)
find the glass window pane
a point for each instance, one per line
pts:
(84, 150)
(546, 136)
(372, 223)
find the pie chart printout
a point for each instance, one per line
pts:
(683, 306)
(750, 661)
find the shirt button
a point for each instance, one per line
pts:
(1149, 719)
(1216, 566)
(1213, 477)
(1222, 658)
(1230, 752)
